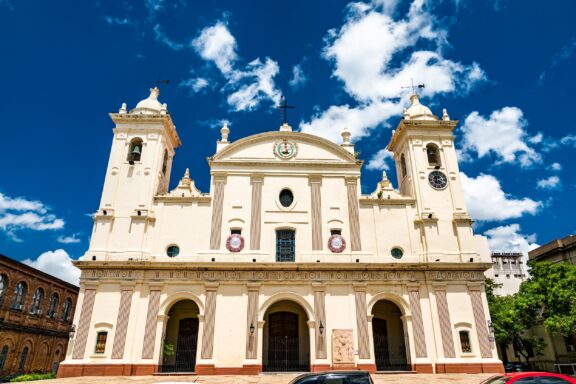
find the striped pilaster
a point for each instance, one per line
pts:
(481, 323)
(353, 213)
(252, 321)
(122, 324)
(209, 320)
(217, 207)
(417, 324)
(151, 323)
(256, 212)
(320, 314)
(362, 323)
(84, 324)
(316, 209)
(445, 323)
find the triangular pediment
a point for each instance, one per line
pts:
(284, 147)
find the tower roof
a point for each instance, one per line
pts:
(150, 105)
(418, 111)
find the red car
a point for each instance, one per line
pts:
(531, 378)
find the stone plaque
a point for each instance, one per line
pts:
(342, 348)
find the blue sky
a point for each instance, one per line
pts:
(503, 68)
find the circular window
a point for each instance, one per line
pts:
(397, 253)
(172, 251)
(286, 198)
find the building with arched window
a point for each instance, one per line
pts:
(284, 264)
(32, 337)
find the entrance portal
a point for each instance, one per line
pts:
(181, 338)
(389, 336)
(286, 340)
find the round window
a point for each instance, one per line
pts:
(286, 198)
(173, 251)
(397, 253)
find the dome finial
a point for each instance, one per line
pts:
(150, 105)
(345, 136)
(225, 131)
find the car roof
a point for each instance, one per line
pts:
(535, 373)
(317, 374)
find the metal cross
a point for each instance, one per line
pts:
(419, 86)
(284, 106)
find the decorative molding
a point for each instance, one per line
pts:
(444, 316)
(122, 323)
(481, 324)
(151, 321)
(416, 310)
(84, 324)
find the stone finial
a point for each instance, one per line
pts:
(285, 128)
(225, 131)
(346, 136)
(164, 109)
(445, 115)
(154, 93)
(186, 178)
(123, 109)
(385, 183)
(405, 114)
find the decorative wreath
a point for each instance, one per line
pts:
(235, 243)
(336, 243)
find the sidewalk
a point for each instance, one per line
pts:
(266, 379)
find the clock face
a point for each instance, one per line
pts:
(285, 150)
(437, 180)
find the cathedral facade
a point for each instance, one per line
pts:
(284, 265)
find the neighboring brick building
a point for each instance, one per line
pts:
(556, 251)
(36, 311)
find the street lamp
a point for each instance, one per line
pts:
(321, 328)
(72, 330)
(252, 328)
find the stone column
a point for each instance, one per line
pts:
(151, 322)
(84, 322)
(256, 212)
(320, 314)
(362, 322)
(353, 213)
(252, 321)
(122, 321)
(316, 210)
(418, 326)
(475, 292)
(217, 206)
(445, 322)
(209, 321)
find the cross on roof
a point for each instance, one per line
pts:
(159, 81)
(419, 86)
(284, 107)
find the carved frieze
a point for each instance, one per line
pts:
(342, 347)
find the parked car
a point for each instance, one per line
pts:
(516, 367)
(531, 378)
(338, 377)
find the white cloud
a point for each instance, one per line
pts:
(69, 239)
(161, 37)
(217, 44)
(509, 239)
(502, 134)
(18, 214)
(259, 87)
(365, 52)
(56, 263)
(556, 167)
(195, 84)
(299, 78)
(379, 160)
(117, 20)
(486, 201)
(553, 182)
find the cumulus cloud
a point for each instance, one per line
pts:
(254, 85)
(486, 201)
(195, 84)
(371, 72)
(72, 239)
(508, 238)
(56, 263)
(217, 44)
(161, 37)
(299, 78)
(556, 166)
(379, 161)
(553, 182)
(18, 214)
(502, 135)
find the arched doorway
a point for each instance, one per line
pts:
(390, 349)
(181, 338)
(286, 341)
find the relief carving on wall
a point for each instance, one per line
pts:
(342, 347)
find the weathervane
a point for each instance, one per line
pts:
(160, 81)
(284, 106)
(419, 86)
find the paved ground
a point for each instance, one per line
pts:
(266, 379)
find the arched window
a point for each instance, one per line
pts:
(465, 342)
(66, 310)
(23, 359)
(19, 296)
(165, 162)
(403, 165)
(135, 150)
(37, 301)
(53, 307)
(101, 342)
(3, 356)
(433, 155)
(3, 288)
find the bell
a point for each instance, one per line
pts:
(136, 151)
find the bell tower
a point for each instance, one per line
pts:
(427, 169)
(139, 166)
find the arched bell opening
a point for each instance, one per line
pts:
(286, 341)
(181, 338)
(390, 341)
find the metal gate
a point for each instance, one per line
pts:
(186, 345)
(283, 344)
(381, 349)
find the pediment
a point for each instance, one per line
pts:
(300, 148)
